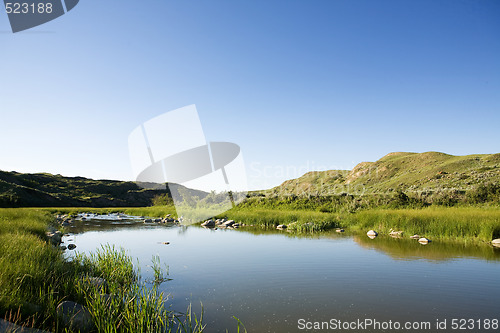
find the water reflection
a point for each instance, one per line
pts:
(409, 249)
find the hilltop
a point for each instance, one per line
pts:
(399, 171)
(47, 190)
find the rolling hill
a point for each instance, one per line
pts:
(47, 190)
(408, 172)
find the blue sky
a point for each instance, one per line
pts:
(299, 85)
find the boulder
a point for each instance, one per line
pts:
(424, 240)
(6, 326)
(395, 233)
(209, 223)
(54, 237)
(75, 316)
(372, 233)
(228, 223)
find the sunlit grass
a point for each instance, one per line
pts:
(465, 224)
(35, 278)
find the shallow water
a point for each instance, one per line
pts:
(270, 280)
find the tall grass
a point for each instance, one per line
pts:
(296, 220)
(465, 224)
(131, 305)
(35, 278)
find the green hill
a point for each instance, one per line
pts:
(407, 172)
(47, 190)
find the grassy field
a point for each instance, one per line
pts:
(35, 278)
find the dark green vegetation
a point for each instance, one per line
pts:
(35, 278)
(46, 190)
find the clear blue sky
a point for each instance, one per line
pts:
(299, 85)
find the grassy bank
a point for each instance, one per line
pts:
(35, 278)
(463, 224)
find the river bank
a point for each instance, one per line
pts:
(467, 224)
(39, 288)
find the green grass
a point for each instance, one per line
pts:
(462, 224)
(132, 306)
(35, 278)
(296, 220)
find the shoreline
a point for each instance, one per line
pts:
(460, 224)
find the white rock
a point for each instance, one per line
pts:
(209, 223)
(424, 240)
(228, 223)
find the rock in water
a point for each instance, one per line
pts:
(209, 223)
(395, 233)
(228, 223)
(6, 326)
(75, 316)
(424, 240)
